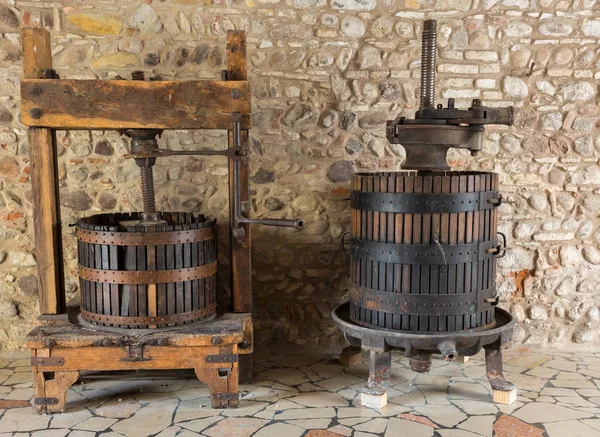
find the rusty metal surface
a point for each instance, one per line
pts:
(435, 129)
(467, 343)
(144, 238)
(47, 361)
(422, 304)
(146, 321)
(147, 276)
(222, 358)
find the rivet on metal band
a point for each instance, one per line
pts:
(145, 238)
(147, 276)
(144, 321)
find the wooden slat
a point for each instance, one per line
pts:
(121, 104)
(460, 268)
(453, 239)
(469, 321)
(415, 280)
(151, 288)
(409, 185)
(398, 233)
(444, 238)
(476, 271)
(425, 286)
(390, 187)
(161, 289)
(434, 271)
(115, 304)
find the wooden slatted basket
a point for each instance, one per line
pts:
(423, 250)
(147, 276)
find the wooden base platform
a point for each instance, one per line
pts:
(62, 346)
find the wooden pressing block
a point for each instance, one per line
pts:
(373, 401)
(504, 397)
(351, 356)
(461, 359)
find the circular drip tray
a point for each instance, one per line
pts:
(467, 342)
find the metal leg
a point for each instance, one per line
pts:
(374, 395)
(503, 391)
(419, 362)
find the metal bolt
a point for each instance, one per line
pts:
(216, 340)
(36, 113)
(245, 344)
(235, 94)
(35, 90)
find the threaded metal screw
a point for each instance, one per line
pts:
(148, 189)
(428, 63)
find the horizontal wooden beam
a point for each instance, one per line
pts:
(122, 104)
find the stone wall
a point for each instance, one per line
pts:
(326, 74)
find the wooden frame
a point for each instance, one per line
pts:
(218, 351)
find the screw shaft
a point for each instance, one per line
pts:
(148, 189)
(428, 63)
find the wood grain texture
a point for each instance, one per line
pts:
(44, 180)
(236, 55)
(241, 273)
(120, 104)
(54, 381)
(230, 329)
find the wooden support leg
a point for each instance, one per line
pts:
(503, 392)
(351, 356)
(245, 369)
(37, 58)
(223, 385)
(374, 395)
(51, 390)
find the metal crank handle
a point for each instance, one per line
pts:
(238, 219)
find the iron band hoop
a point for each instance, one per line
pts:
(145, 321)
(422, 304)
(431, 254)
(141, 277)
(424, 203)
(145, 238)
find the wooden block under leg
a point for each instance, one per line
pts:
(504, 397)
(351, 356)
(373, 401)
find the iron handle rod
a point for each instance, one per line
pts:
(286, 223)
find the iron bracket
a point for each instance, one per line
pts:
(47, 361)
(222, 358)
(224, 396)
(135, 354)
(45, 401)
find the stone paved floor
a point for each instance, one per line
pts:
(313, 396)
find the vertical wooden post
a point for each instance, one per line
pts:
(240, 251)
(37, 57)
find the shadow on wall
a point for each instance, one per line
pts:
(295, 288)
